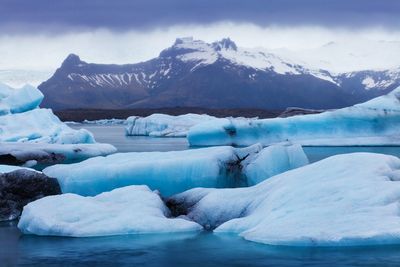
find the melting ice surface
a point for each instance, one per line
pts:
(375, 122)
(176, 171)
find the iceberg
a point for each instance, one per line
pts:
(104, 122)
(161, 125)
(344, 200)
(176, 171)
(375, 122)
(32, 154)
(128, 210)
(20, 100)
(30, 135)
(40, 126)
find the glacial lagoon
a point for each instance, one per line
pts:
(197, 249)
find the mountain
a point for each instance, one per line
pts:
(193, 73)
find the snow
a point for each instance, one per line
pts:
(344, 200)
(128, 210)
(376, 122)
(31, 154)
(368, 82)
(346, 55)
(202, 53)
(175, 171)
(161, 125)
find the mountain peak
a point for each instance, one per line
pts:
(183, 40)
(72, 60)
(225, 43)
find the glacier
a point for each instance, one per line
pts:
(344, 200)
(176, 171)
(162, 125)
(127, 210)
(375, 122)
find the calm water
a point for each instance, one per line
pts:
(198, 249)
(115, 135)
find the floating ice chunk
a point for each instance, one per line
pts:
(161, 125)
(169, 172)
(40, 126)
(30, 154)
(104, 122)
(349, 199)
(172, 172)
(21, 100)
(128, 210)
(376, 122)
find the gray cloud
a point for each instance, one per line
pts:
(122, 15)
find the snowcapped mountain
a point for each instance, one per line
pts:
(193, 73)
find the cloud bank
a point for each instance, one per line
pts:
(46, 51)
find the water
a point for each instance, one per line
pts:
(201, 249)
(195, 249)
(115, 134)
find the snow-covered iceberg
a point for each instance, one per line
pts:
(176, 171)
(349, 199)
(128, 210)
(162, 125)
(376, 122)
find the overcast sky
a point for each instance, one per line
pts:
(39, 34)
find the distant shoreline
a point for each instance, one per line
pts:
(80, 115)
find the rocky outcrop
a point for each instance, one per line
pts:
(20, 187)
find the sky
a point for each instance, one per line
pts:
(39, 34)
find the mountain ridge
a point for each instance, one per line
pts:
(193, 73)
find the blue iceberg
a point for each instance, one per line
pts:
(176, 171)
(376, 122)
